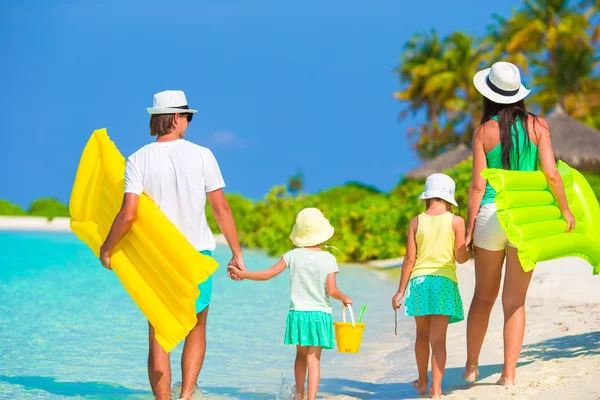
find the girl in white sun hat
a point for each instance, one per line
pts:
(312, 282)
(436, 241)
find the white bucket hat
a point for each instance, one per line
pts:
(170, 102)
(501, 83)
(439, 186)
(311, 228)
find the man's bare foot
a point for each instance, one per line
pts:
(505, 382)
(435, 393)
(470, 373)
(420, 386)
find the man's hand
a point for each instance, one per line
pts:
(236, 262)
(105, 259)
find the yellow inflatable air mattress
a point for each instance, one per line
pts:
(156, 264)
(533, 221)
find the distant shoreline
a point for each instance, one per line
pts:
(59, 224)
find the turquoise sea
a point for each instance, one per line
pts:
(68, 329)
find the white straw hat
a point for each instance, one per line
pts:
(501, 83)
(311, 228)
(170, 102)
(439, 186)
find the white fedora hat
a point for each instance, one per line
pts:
(170, 102)
(311, 228)
(439, 186)
(501, 83)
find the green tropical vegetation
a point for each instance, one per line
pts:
(46, 207)
(554, 42)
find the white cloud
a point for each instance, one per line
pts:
(225, 139)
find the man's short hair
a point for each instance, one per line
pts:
(161, 124)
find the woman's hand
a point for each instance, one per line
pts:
(397, 300)
(469, 240)
(570, 218)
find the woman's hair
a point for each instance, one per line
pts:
(508, 116)
(428, 203)
(161, 124)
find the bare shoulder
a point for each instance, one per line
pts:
(414, 223)
(458, 221)
(538, 125)
(485, 129)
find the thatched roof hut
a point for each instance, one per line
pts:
(573, 142)
(447, 160)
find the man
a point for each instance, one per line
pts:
(178, 176)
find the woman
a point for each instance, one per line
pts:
(509, 138)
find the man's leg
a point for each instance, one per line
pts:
(193, 355)
(159, 368)
(195, 343)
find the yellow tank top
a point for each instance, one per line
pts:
(435, 247)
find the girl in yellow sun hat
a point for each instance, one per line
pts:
(312, 283)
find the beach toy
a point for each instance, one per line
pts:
(156, 264)
(348, 335)
(362, 311)
(533, 222)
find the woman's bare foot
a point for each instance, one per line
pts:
(420, 386)
(435, 393)
(505, 382)
(470, 373)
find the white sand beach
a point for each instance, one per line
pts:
(560, 357)
(60, 224)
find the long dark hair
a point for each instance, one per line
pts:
(509, 115)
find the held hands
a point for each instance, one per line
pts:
(235, 266)
(469, 241)
(397, 300)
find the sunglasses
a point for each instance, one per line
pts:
(189, 117)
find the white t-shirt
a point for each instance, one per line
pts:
(308, 278)
(177, 175)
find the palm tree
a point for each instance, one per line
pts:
(437, 75)
(419, 62)
(296, 183)
(547, 33)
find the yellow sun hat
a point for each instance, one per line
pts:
(311, 228)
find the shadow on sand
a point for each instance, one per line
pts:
(562, 347)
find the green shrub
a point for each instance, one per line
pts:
(10, 209)
(49, 208)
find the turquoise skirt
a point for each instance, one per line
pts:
(309, 328)
(434, 295)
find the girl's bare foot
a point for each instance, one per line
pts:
(470, 373)
(421, 386)
(435, 393)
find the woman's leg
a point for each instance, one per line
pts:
(422, 352)
(488, 273)
(516, 283)
(314, 371)
(437, 337)
(300, 371)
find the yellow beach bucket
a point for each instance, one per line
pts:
(348, 335)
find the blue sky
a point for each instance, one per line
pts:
(279, 85)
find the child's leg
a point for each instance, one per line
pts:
(439, 326)
(300, 370)
(314, 371)
(422, 352)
